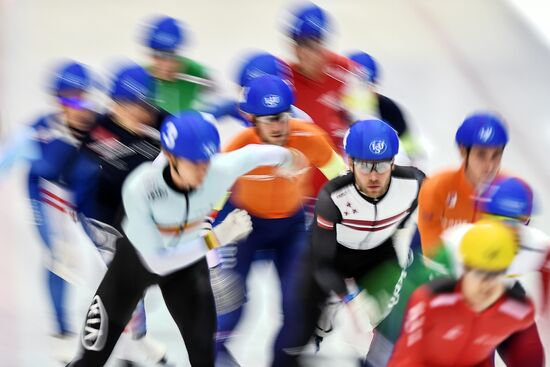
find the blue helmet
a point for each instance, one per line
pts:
(367, 65)
(262, 64)
(191, 135)
(164, 34)
(132, 83)
(371, 140)
(71, 76)
(309, 22)
(484, 129)
(267, 95)
(509, 197)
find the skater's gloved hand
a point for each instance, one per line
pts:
(103, 236)
(359, 305)
(236, 226)
(359, 334)
(294, 165)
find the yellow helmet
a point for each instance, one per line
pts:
(489, 246)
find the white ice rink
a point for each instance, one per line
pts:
(441, 59)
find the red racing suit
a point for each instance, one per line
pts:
(321, 99)
(441, 330)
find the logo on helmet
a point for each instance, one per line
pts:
(378, 146)
(138, 89)
(486, 133)
(492, 254)
(165, 38)
(272, 100)
(170, 135)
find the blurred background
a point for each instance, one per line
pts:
(440, 60)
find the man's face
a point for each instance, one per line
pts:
(187, 174)
(481, 289)
(311, 56)
(165, 65)
(135, 114)
(372, 177)
(483, 163)
(273, 129)
(76, 110)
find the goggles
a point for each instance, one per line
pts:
(282, 117)
(77, 103)
(313, 43)
(165, 55)
(487, 275)
(366, 167)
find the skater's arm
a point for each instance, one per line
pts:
(512, 350)
(54, 157)
(334, 167)
(169, 260)
(241, 157)
(21, 147)
(56, 145)
(324, 245)
(315, 145)
(236, 226)
(430, 212)
(245, 159)
(390, 112)
(545, 284)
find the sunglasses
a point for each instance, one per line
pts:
(77, 103)
(312, 43)
(165, 55)
(488, 275)
(512, 222)
(366, 167)
(282, 117)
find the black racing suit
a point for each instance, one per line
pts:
(351, 235)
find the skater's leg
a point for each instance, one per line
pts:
(189, 299)
(112, 306)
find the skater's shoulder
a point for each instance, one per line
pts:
(442, 286)
(338, 183)
(43, 121)
(408, 172)
(241, 139)
(445, 177)
(517, 305)
(517, 292)
(146, 171)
